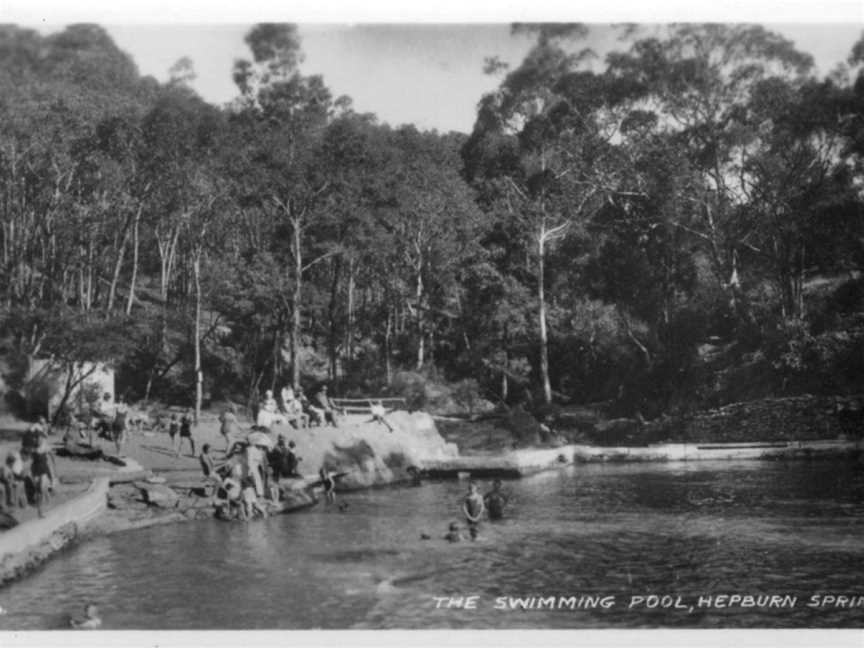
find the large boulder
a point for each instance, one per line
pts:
(158, 495)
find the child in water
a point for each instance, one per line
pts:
(453, 533)
(473, 508)
(90, 621)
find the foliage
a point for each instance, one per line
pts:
(602, 225)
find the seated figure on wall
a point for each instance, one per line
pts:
(268, 412)
(293, 409)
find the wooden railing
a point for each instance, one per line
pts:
(362, 405)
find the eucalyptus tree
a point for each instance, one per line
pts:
(542, 153)
(699, 80)
(284, 116)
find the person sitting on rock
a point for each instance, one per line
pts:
(208, 466)
(90, 621)
(323, 402)
(268, 411)
(378, 413)
(314, 414)
(293, 409)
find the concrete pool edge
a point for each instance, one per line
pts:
(31, 543)
(529, 461)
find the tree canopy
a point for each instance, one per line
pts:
(637, 230)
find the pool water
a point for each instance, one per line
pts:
(610, 533)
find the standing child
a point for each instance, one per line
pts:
(473, 508)
(173, 431)
(186, 432)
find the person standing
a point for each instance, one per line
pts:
(186, 432)
(118, 426)
(495, 500)
(42, 472)
(473, 508)
(228, 427)
(173, 431)
(253, 463)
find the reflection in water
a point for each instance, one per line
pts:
(791, 529)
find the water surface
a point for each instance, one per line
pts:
(791, 529)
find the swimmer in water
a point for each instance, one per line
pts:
(453, 533)
(90, 621)
(495, 500)
(473, 508)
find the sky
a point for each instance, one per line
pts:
(405, 71)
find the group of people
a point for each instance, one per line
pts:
(182, 428)
(248, 474)
(294, 408)
(29, 476)
(475, 506)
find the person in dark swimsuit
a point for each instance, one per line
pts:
(495, 500)
(173, 430)
(118, 429)
(186, 432)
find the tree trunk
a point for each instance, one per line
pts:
(349, 328)
(118, 265)
(333, 337)
(135, 243)
(544, 339)
(505, 387)
(295, 318)
(418, 295)
(388, 334)
(199, 376)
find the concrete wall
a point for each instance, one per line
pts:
(79, 510)
(32, 542)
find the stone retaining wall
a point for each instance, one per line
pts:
(797, 418)
(30, 543)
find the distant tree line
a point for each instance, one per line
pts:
(603, 225)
